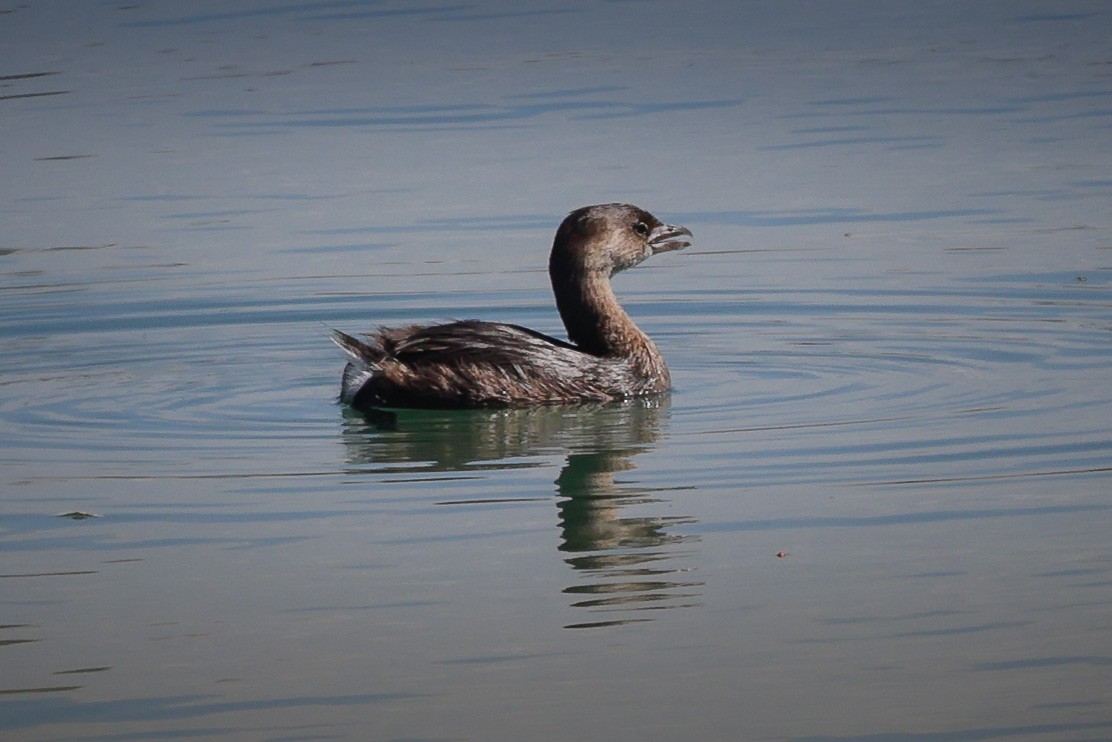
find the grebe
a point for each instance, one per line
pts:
(490, 364)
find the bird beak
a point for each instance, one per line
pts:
(669, 237)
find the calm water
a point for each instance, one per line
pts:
(876, 507)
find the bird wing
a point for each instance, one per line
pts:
(472, 341)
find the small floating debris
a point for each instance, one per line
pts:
(77, 515)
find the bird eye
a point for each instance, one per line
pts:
(641, 228)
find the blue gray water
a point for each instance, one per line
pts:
(876, 506)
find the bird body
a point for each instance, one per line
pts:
(472, 363)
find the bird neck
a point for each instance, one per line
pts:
(594, 319)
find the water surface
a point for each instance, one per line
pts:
(875, 507)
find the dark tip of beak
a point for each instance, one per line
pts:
(669, 237)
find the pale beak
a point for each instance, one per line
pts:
(669, 237)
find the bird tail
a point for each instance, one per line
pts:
(362, 365)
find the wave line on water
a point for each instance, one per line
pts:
(984, 477)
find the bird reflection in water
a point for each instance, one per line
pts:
(625, 564)
(627, 561)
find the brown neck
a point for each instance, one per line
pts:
(594, 319)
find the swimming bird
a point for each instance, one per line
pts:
(472, 363)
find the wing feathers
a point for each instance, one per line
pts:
(472, 363)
